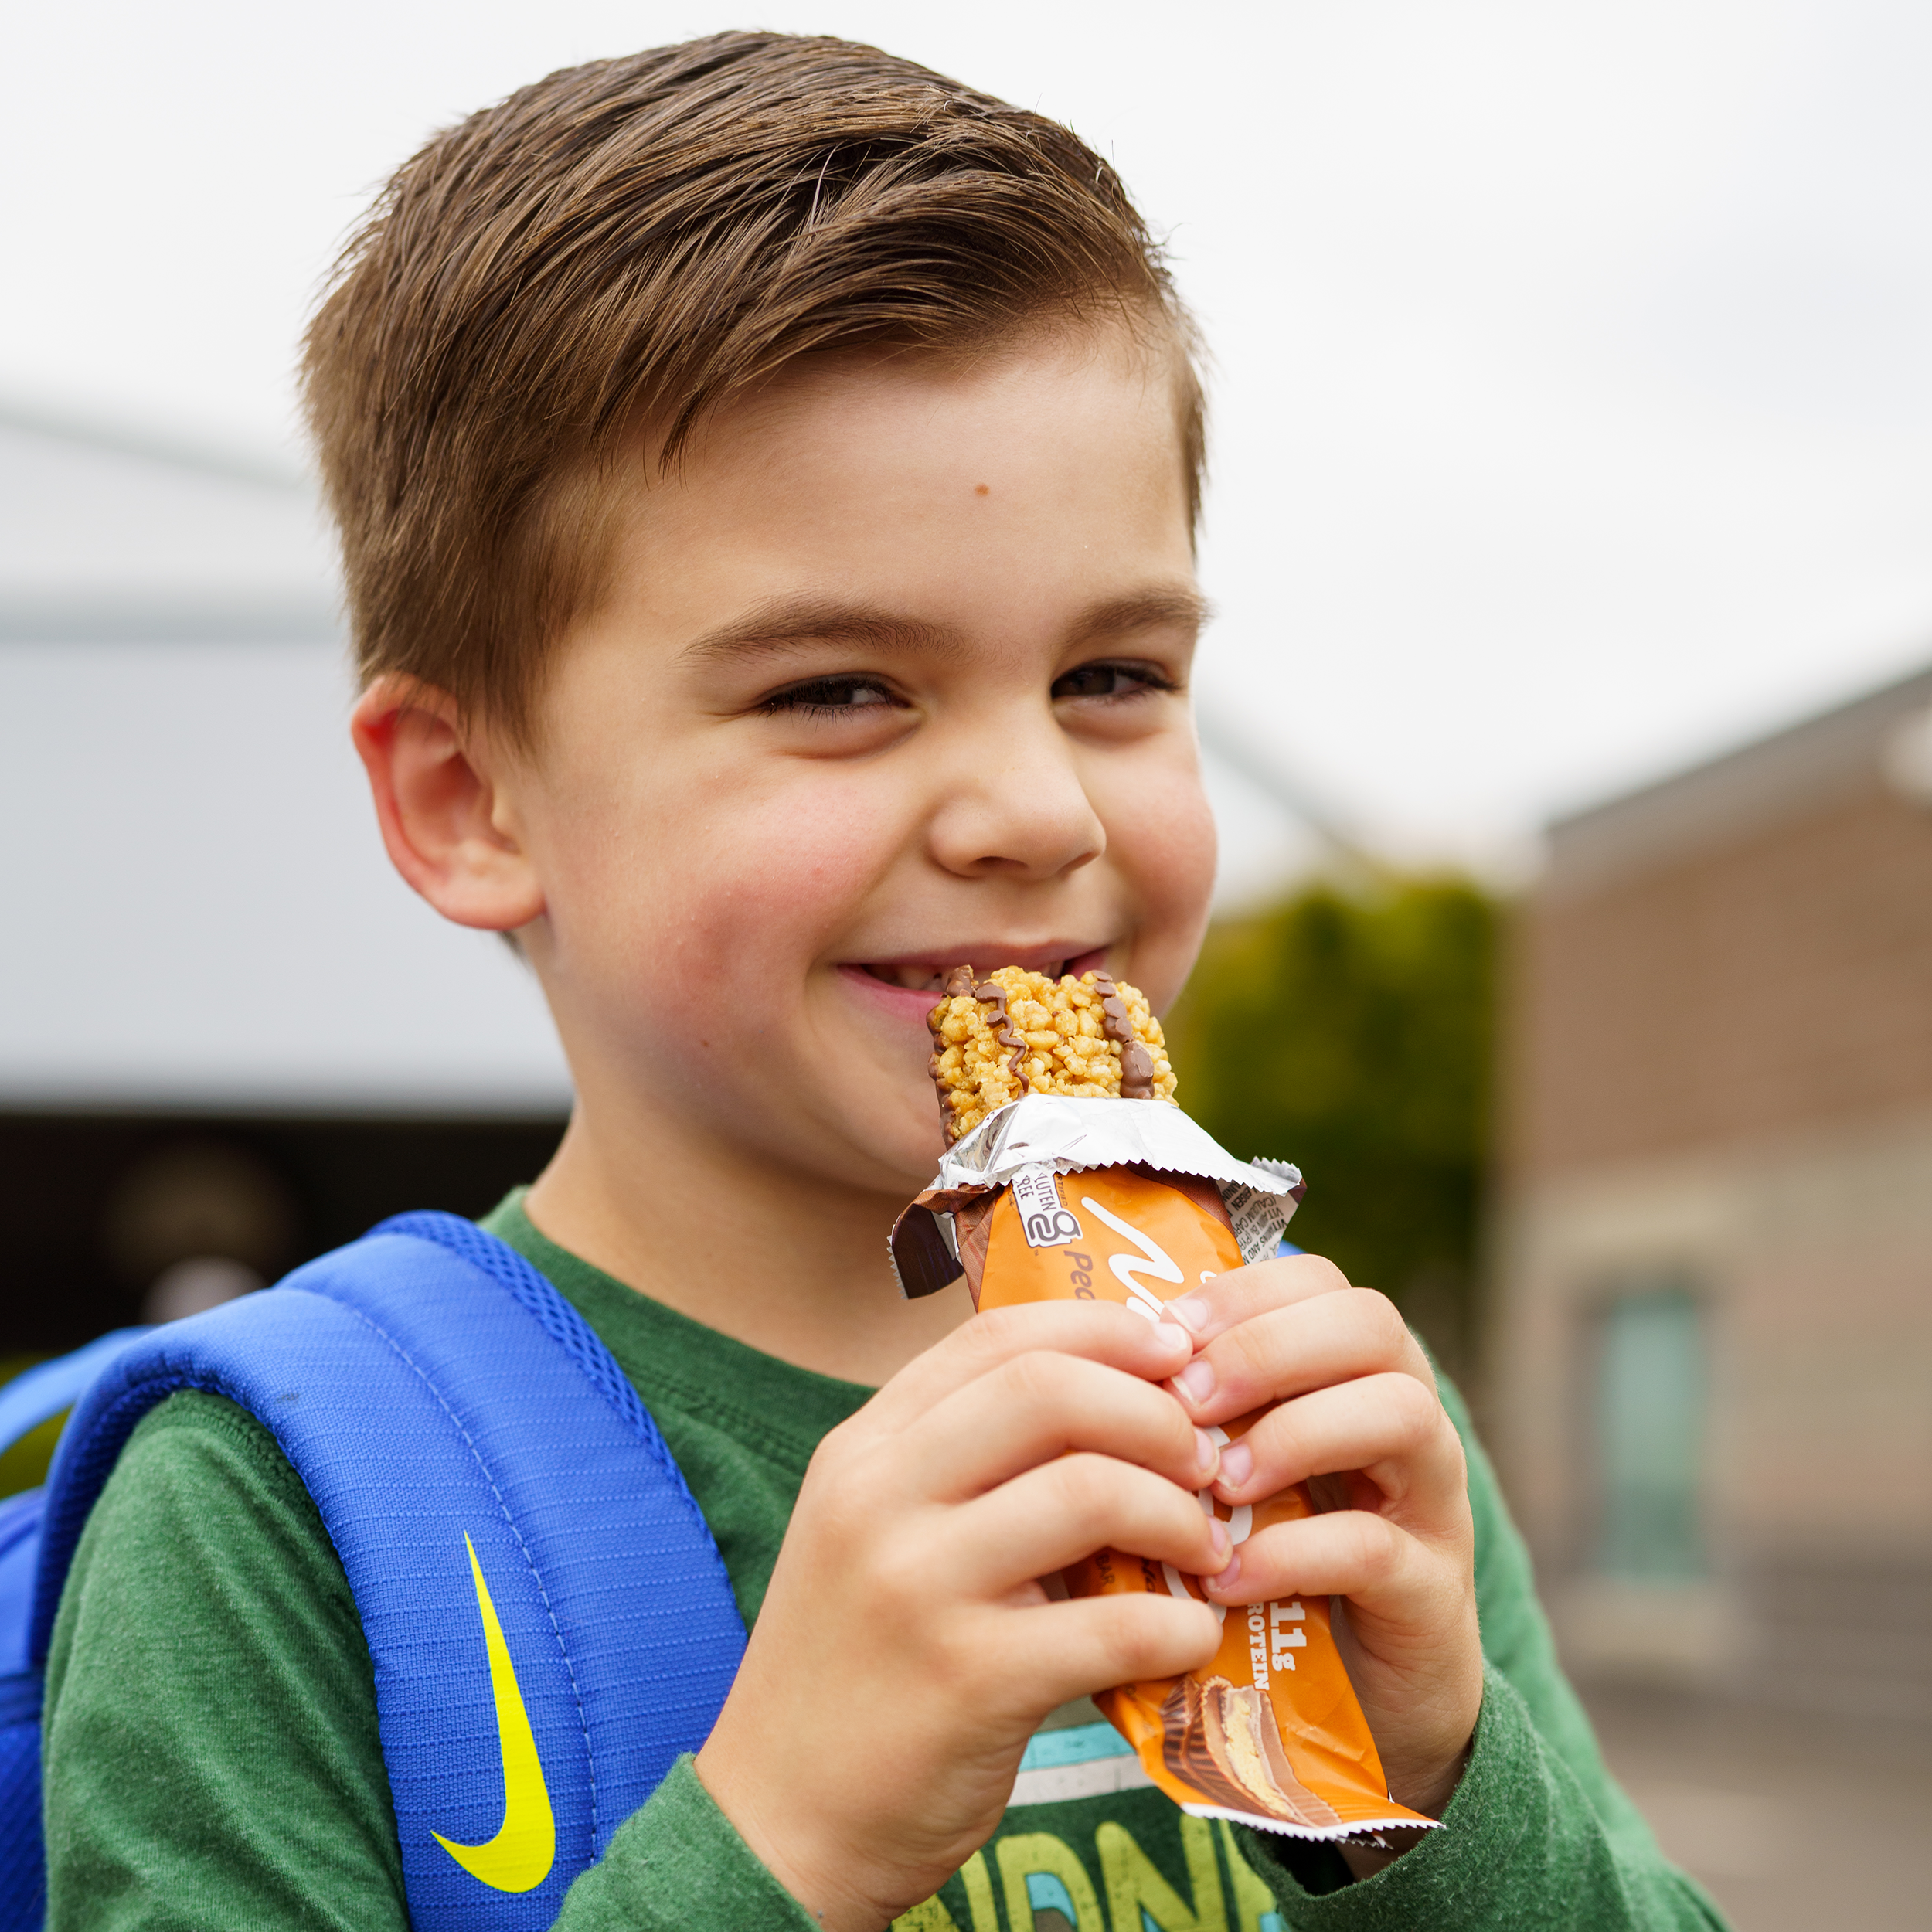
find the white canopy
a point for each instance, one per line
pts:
(199, 913)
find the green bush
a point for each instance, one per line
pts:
(1351, 1032)
(24, 1465)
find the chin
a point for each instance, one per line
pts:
(863, 1136)
(903, 1142)
(913, 1160)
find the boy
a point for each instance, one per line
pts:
(767, 474)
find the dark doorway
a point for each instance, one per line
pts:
(109, 1219)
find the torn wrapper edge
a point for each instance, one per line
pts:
(1327, 1833)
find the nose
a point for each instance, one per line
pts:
(1017, 806)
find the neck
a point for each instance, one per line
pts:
(790, 1265)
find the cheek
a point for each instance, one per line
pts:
(1163, 839)
(732, 897)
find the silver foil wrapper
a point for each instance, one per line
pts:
(1075, 1137)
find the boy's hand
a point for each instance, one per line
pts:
(1358, 1405)
(905, 1652)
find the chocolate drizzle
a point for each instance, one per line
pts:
(1136, 1064)
(994, 999)
(959, 985)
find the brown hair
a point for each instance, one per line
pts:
(646, 238)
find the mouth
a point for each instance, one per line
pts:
(914, 982)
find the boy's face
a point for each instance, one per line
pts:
(891, 675)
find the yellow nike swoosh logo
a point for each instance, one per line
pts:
(519, 1858)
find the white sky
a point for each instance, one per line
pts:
(1574, 397)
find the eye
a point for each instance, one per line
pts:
(831, 697)
(1108, 680)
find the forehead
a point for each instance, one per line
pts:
(1011, 399)
(1049, 467)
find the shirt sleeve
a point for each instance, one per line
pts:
(1538, 1834)
(677, 1863)
(211, 1755)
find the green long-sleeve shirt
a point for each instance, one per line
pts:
(213, 1760)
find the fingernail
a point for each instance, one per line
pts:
(1196, 1380)
(1205, 1453)
(1223, 1581)
(1237, 1464)
(1191, 1310)
(1218, 1535)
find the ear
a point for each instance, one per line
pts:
(448, 817)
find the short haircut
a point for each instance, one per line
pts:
(637, 241)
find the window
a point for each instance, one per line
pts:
(1650, 1379)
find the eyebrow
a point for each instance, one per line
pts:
(769, 628)
(1143, 611)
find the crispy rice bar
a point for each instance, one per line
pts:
(1017, 1032)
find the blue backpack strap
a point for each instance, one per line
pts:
(548, 1619)
(22, 1870)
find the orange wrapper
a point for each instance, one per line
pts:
(1270, 1733)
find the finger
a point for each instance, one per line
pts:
(1041, 1405)
(1102, 1332)
(1348, 1552)
(1243, 1293)
(1065, 1510)
(1072, 1649)
(1290, 1351)
(1390, 1426)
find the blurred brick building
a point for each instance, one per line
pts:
(1711, 1381)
